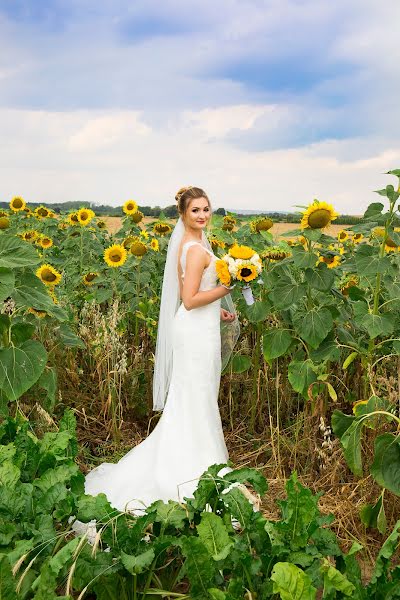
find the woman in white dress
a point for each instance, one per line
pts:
(188, 437)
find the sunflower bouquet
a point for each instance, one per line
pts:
(241, 264)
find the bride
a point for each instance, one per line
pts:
(188, 361)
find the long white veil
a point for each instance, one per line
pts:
(170, 301)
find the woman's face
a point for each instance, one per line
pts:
(198, 213)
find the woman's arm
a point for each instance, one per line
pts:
(195, 265)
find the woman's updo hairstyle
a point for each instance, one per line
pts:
(185, 195)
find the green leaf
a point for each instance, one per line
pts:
(258, 311)
(69, 337)
(351, 444)
(386, 553)
(341, 422)
(377, 324)
(320, 278)
(21, 367)
(284, 295)
(240, 363)
(373, 209)
(240, 507)
(214, 535)
(394, 172)
(373, 515)
(302, 258)
(352, 356)
(314, 325)
(291, 583)
(7, 581)
(369, 262)
(335, 580)
(169, 514)
(199, 568)
(276, 342)
(386, 466)
(15, 253)
(137, 564)
(7, 281)
(31, 292)
(252, 476)
(301, 375)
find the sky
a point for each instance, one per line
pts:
(265, 104)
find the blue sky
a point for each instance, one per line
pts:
(254, 100)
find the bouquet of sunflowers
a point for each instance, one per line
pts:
(240, 264)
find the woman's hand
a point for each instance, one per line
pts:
(227, 316)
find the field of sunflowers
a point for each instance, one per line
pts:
(309, 401)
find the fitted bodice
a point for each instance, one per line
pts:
(209, 277)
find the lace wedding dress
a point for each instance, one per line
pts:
(188, 437)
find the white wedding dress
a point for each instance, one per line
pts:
(188, 437)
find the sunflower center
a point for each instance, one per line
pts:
(17, 203)
(84, 216)
(43, 212)
(90, 276)
(74, 218)
(48, 276)
(319, 218)
(390, 243)
(115, 256)
(245, 272)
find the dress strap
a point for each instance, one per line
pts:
(184, 250)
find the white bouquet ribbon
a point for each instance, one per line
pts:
(248, 295)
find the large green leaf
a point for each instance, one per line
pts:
(31, 292)
(286, 294)
(334, 580)
(351, 444)
(137, 564)
(21, 367)
(240, 363)
(7, 280)
(214, 535)
(169, 513)
(276, 342)
(369, 262)
(313, 326)
(258, 311)
(373, 210)
(320, 278)
(15, 253)
(252, 476)
(69, 337)
(7, 581)
(291, 583)
(377, 324)
(301, 375)
(386, 553)
(199, 568)
(386, 466)
(302, 258)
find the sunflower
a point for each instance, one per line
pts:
(318, 215)
(45, 242)
(144, 234)
(48, 275)
(62, 225)
(261, 224)
(247, 272)
(137, 216)
(275, 254)
(84, 216)
(101, 224)
(357, 238)
(161, 228)
(3, 213)
(89, 278)
(130, 207)
(349, 283)
(52, 295)
(128, 241)
(73, 218)
(42, 212)
(30, 236)
(154, 245)
(17, 204)
(342, 235)
(115, 255)
(38, 313)
(331, 261)
(390, 245)
(216, 243)
(4, 222)
(222, 270)
(243, 252)
(138, 248)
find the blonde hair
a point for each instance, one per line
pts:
(185, 194)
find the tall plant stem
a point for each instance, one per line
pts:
(255, 398)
